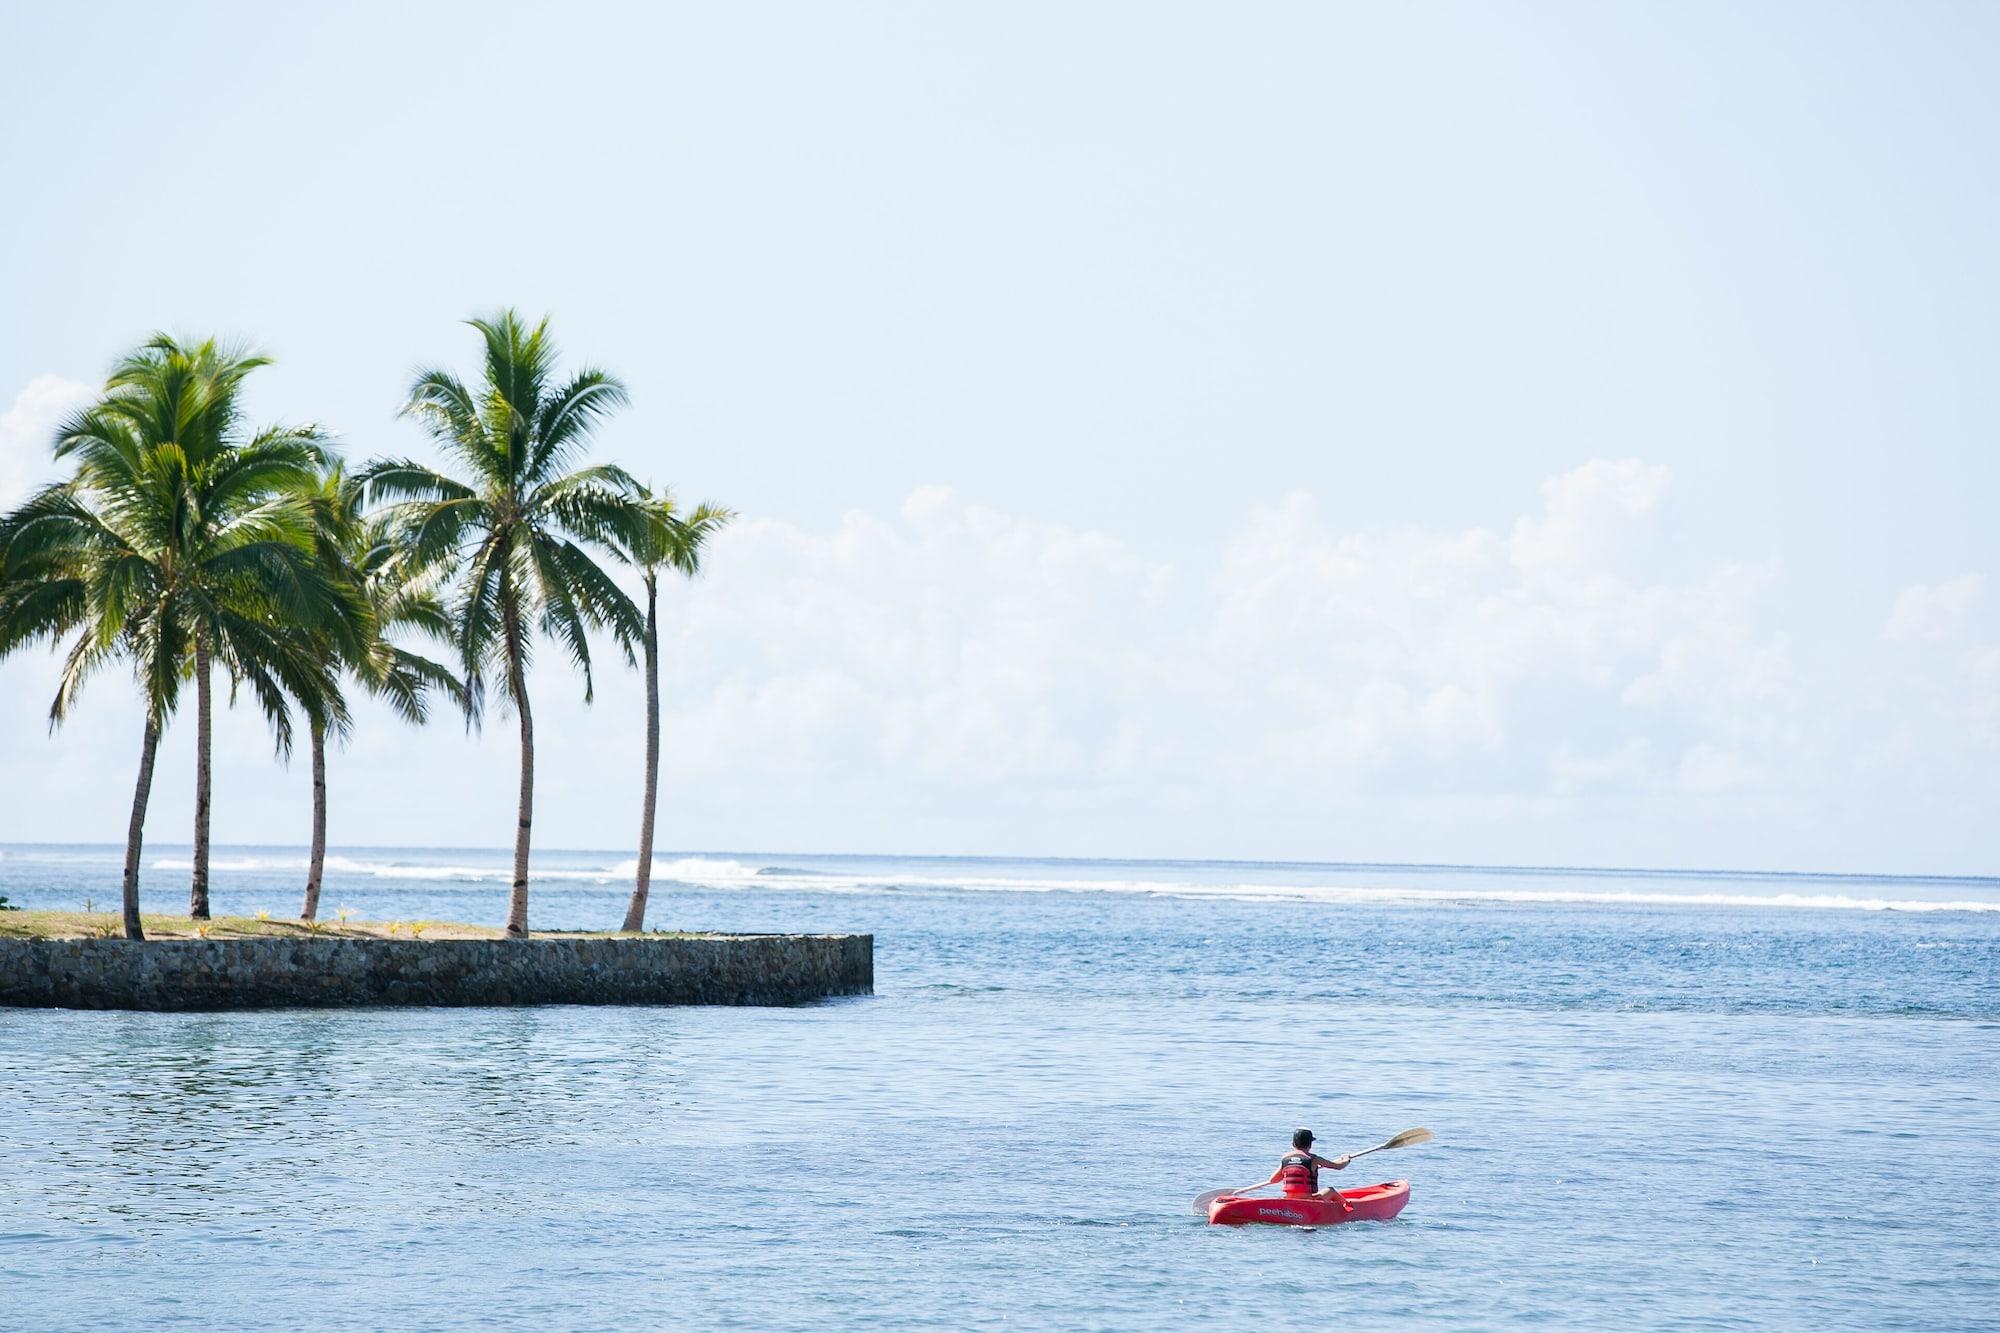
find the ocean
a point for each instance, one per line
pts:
(1661, 1100)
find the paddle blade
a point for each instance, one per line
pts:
(1202, 1201)
(1409, 1138)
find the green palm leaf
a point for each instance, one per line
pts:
(184, 538)
(517, 533)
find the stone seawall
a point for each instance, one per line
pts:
(285, 973)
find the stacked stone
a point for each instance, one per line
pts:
(286, 973)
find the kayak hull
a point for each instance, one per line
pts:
(1372, 1203)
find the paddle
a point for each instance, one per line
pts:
(1409, 1138)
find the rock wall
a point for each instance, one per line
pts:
(284, 973)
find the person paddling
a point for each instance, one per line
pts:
(1298, 1172)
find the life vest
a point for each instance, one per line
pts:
(1298, 1175)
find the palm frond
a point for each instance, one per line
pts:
(561, 617)
(518, 361)
(104, 444)
(429, 675)
(604, 604)
(569, 415)
(282, 664)
(388, 480)
(432, 534)
(477, 615)
(86, 654)
(270, 700)
(602, 514)
(280, 459)
(450, 415)
(36, 609)
(686, 538)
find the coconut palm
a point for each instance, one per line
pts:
(59, 568)
(672, 542)
(182, 540)
(520, 528)
(397, 596)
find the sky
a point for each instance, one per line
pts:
(1481, 433)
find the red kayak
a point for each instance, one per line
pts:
(1372, 1203)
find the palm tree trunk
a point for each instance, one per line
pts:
(635, 912)
(198, 888)
(318, 862)
(517, 902)
(135, 832)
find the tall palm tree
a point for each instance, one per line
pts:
(520, 528)
(397, 597)
(59, 573)
(181, 540)
(675, 543)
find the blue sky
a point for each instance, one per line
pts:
(1524, 433)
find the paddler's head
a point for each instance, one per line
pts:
(1302, 1139)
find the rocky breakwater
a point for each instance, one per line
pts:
(293, 972)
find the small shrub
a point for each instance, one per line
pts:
(417, 929)
(315, 926)
(343, 913)
(201, 932)
(263, 914)
(6, 906)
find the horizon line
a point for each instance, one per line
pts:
(1627, 872)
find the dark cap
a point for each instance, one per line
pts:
(1302, 1138)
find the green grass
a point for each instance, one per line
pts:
(33, 925)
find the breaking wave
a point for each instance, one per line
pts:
(1414, 886)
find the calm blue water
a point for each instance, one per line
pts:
(1660, 1101)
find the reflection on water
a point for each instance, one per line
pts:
(1646, 1114)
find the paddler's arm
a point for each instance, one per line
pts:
(1337, 1164)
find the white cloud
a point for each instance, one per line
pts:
(957, 645)
(1586, 521)
(951, 678)
(1709, 768)
(1981, 668)
(25, 431)
(1504, 661)
(1934, 612)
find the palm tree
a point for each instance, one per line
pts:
(58, 566)
(520, 527)
(396, 596)
(181, 540)
(676, 543)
